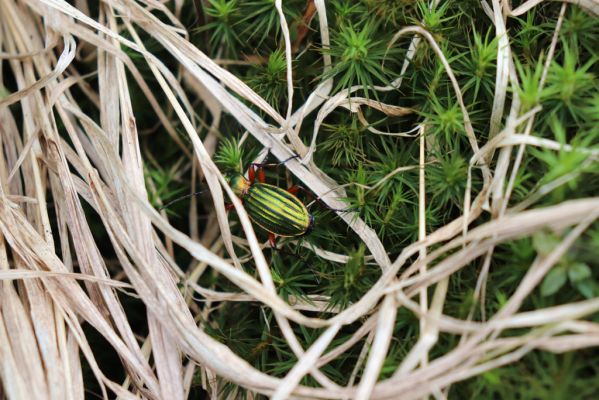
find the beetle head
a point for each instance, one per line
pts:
(238, 183)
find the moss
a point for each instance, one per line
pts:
(388, 201)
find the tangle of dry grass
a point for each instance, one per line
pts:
(45, 175)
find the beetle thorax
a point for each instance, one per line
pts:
(239, 184)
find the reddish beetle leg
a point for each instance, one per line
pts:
(294, 189)
(272, 240)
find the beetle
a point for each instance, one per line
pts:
(278, 211)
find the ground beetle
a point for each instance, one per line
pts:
(277, 211)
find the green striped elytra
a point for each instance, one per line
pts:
(277, 211)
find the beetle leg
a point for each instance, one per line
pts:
(296, 188)
(259, 168)
(272, 165)
(272, 240)
(252, 174)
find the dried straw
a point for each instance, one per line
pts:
(45, 303)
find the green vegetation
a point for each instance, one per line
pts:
(349, 153)
(387, 200)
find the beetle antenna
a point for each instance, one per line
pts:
(180, 198)
(198, 12)
(273, 165)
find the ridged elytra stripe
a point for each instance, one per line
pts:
(262, 212)
(277, 222)
(284, 196)
(280, 201)
(276, 210)
(276, 206)
(267, 216)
